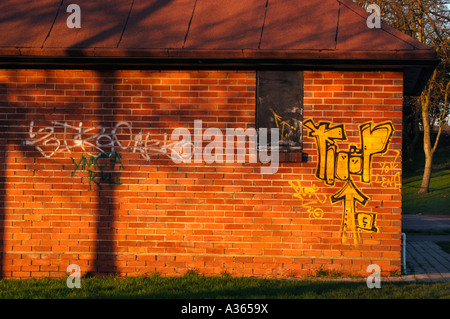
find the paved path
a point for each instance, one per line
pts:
(421, 222)
(426, 261)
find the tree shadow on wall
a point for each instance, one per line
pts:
(105, 260)
(105, 246)
(3, 167)
(12, 132)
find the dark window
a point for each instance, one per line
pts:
(279, 103)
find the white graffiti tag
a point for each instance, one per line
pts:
(64, 138)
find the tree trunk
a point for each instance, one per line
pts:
(425, 187)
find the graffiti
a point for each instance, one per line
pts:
(101, 168)
(349, 195)
(286, 128)
(64, 138)
(146, 147)
(375, 141)
(325, 137)
(336, 164)
(366, 221)
(354, 220)
(310, 198)
(390, 174)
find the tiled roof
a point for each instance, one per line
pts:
(296, 30)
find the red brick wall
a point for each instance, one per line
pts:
(152, 215)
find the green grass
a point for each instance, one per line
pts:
(195, 286)
(437, 201)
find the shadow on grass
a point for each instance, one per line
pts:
(436, 202)
(194, 286)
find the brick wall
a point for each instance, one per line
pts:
(134, 211)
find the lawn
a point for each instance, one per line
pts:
(437, 201)
(195, 286)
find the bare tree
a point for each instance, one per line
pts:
(429, 22)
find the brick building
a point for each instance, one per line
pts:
(92, 174)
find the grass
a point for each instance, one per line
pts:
(437, 201)
(327, 273)
(195, 286)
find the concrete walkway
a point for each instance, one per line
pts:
(426, 261)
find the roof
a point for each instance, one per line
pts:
(307, 33)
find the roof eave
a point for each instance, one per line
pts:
(416, 66)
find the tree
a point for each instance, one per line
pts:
(429, 22)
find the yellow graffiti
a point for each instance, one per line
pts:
(325, 141)
(349, 194)
(283, 124)
(335, 164)
(310, 197)
(390, 175)
(366, 221)
(374, 140)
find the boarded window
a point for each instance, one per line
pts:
(280, 105)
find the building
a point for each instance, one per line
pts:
(93, 172)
